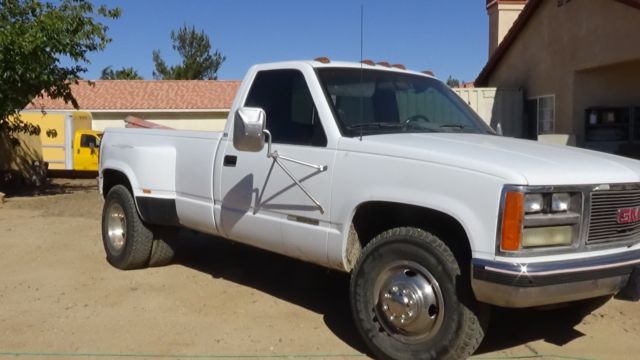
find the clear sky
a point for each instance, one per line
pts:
(449, 37)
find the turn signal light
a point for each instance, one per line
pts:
(512, 217)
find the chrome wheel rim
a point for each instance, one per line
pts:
(116, 228)
(408, 302)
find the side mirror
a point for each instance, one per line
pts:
(248, 129)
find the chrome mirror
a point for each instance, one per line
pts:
(248, 129)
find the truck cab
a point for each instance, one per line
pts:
(86, 150)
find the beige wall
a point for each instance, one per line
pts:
(559, 44)
(207, 121)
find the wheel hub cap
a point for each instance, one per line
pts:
(409, 302)
(116, 227)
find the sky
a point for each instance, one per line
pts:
(449, 37)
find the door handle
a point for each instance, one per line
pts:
(230, 160)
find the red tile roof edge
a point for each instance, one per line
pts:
(146, 95)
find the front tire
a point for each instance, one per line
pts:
(127, 240)
(410, 299)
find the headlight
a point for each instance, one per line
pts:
(560, 202)
(539, 219)
(547, 236)
(533, 203)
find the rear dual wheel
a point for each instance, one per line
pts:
(411, 301)
(128, 242)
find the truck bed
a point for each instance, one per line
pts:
(175, 165)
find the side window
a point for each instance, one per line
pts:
(88, 141)
(292, 117)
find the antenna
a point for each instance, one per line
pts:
(361, 33)
(361, 64)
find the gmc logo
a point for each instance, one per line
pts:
(628, 215)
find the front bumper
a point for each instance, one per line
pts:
(518, 285)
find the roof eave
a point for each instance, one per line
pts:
(505, 44)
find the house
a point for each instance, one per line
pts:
(578, 64)
(180, 104)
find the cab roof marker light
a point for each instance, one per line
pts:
(428, 72)
(399, 66)
(384, 63)
(322, 59)
(512, 219)
(368, 62)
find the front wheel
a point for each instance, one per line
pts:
(410, 299)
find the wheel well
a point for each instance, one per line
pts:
(111, 178)
(373, 218)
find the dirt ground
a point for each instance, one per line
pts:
(59, 298)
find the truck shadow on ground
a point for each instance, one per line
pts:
(326, 292)
(514, 327)
(312, 287)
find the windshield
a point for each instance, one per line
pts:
(367, 102)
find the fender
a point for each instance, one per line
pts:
(412, 182)
(154, 186)
(455, 209)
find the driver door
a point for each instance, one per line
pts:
(260, 203)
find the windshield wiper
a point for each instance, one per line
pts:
(455, 126)
(376, 125)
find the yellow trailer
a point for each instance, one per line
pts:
(68, 143)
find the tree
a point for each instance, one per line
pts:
(34, 37)
(453, 82)
(125, 73)
(198, 63)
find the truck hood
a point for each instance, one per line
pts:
(517, 161)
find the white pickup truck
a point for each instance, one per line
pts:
(385, 174)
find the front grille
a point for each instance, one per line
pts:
(604, 226)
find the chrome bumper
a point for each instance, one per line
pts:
(516, 285)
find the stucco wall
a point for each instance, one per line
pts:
(559, 43)
(208, 121)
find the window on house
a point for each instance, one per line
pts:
(542, 110)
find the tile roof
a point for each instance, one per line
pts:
(146, 94)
